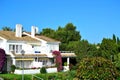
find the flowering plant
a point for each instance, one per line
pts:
(58, 60)
(2, 58)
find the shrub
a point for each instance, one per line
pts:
(13, 68)
(51, 77)
(43, 70)
(96, 68)
(65, 63)
(72, 67)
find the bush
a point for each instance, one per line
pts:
(13, 67)
(72, 67)
(51, 77)
(43, 70)
(96, 68)
(65, 63)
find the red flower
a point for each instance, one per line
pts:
(58, 60)
(2, 58)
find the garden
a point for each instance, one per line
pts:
(94, 61)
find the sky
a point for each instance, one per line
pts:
(94, 19)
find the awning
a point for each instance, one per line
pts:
(43, 58)
(27, 59)
(68, 55)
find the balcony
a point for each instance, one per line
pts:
(67, 51)
(32, 52)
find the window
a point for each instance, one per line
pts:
(15, 48)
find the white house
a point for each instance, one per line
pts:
(36, 49)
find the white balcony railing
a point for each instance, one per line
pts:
(32, 52)
(67, 51)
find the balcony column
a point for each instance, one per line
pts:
(13, 61)
(37, 59)
(68, 62)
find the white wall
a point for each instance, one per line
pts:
(3, 45)
(44, 47)
(27, 48)
(53, 46)
(47, 47)
(35, 71)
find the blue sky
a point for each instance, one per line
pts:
(94, 19)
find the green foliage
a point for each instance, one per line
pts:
(65, 63)
(108, 49)
(65, 34)
(118, 41)
(68, 33)
(49, 76)
(82, 49)
(6, 28)
(96, 68)
(13, 67)
(61, 76)
(15, 77)
(117, 61)
(43, 70)
(69, 75)
(48, 32)
(114, 38)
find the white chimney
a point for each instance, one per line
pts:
(18, 30)
(36, 29)
(33, 31)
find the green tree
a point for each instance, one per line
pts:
(61, 35)
(48, 32)
(7, 28)
(108, 49)
(64, 34)
(114, 38)
(118, 41)
(83, 49)
(67, 34)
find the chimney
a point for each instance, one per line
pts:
(18, 30)
(33, 31)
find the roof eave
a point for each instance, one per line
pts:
(3, 38)
(54, 42)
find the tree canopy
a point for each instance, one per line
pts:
(7, 28)
(64, 34)
(108, 48)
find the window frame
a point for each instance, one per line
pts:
(16, 48)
